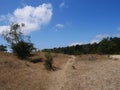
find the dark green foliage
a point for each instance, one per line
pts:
(22, 49)
(3, 48)
(105, 46)
(48, 62)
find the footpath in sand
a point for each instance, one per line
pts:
(87, 75)
(58, 78)
(84, 72)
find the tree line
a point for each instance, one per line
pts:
(108, 45)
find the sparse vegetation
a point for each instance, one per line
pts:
(48, 62)
(92, 58)
(76, 73)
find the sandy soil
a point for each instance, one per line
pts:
(94, 75)
(84, 72)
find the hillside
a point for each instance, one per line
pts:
(83, 72)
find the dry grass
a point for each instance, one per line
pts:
(92, 72)
(18, 74)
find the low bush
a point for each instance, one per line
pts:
(22, 49)
(48, 62)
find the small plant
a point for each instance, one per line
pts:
(48, 62)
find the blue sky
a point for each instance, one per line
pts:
(67, 22)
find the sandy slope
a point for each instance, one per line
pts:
(98, 74)
(95, 75)
(90, 73)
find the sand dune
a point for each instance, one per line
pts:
(84, 72)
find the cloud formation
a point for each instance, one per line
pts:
(32, 17)
(77, 43)
(99, 37)
(62, 4)
(59, 26)
(4, 28)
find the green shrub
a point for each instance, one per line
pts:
(48, 62)
(3, 48)
(22, 49)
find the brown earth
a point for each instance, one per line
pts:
(84, 72)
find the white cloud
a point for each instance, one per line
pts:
(59, 26)
(4, 28)
(99, 37)
(78, 43)
(32, 17)
(75, 43)
(62, 5)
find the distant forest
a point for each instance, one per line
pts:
(109, 45)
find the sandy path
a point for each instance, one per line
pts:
(115, 57)
(69, 63)
(94, 75)
(88, 75)
(59, 78)
(32, 77)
